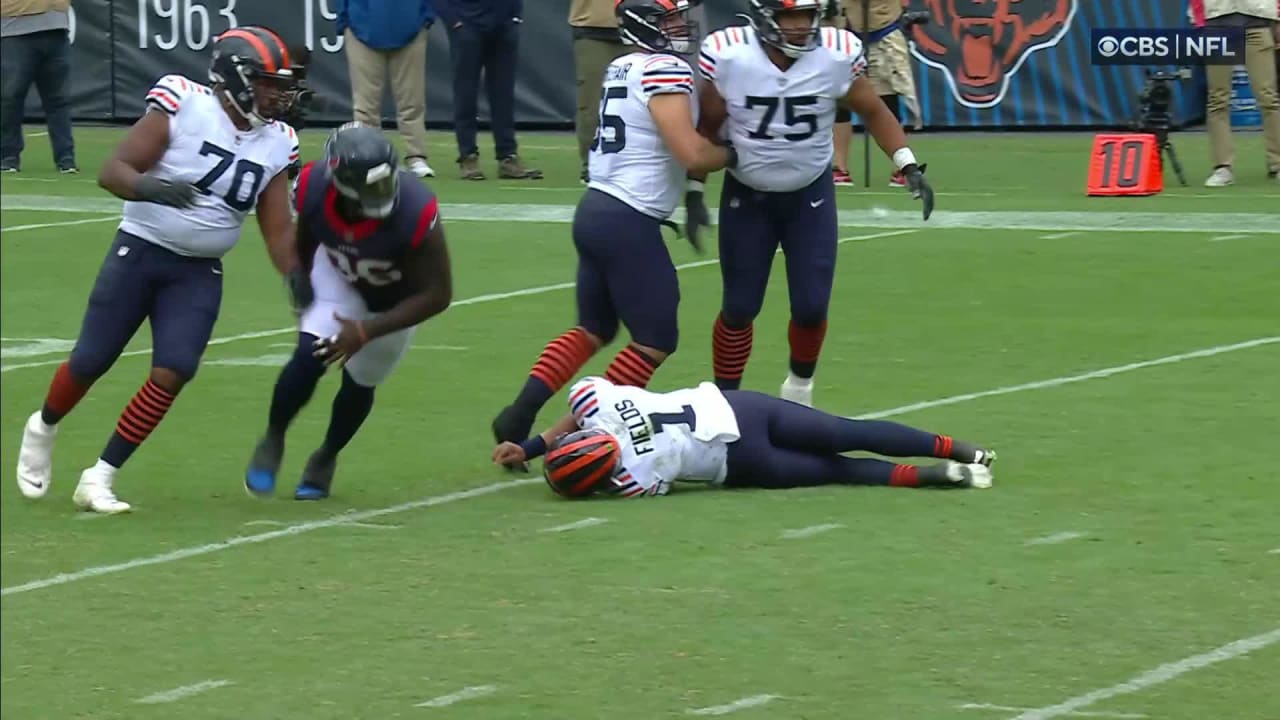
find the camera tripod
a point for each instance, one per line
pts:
(1165, 144)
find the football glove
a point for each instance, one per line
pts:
(919, 187)
(696, 217)
(163, 192)
(301, 292)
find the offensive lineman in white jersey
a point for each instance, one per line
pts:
(189, 171)
(645, 145)
(634, 443)
(773, 90)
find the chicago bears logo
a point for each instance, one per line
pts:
(981, 44)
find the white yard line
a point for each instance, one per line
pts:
(38, 134)
(41, 226)
(1057, 221)
(807, 532)
(735, 706)
(1059, 236)
(1069, 379)
(467, 693)
(1079, 713)
(185, 691)
(482, 490)
(1151, 678)
(491, 297)
(1055, 538)
(1224, 238)
(1274, 552)
(584, 523)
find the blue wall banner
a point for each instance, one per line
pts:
(995, 64)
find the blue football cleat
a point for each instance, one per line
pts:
(260, 477)
(317, 476)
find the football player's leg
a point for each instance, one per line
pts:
(118, 304)
(809, 243)
(747, 247)
(365, 371)
(298, 379)
(643, 285)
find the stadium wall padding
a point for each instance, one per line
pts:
(121, 46)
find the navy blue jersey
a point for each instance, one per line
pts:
(369, 253)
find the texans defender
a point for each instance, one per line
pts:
(189, 170)
(645, 144)
(634, 443)
(375, 267)
(773, 88)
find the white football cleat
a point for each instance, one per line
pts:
(1221, 177)
(797, 390)
(972, 475)
(418, 166)
(35, 459)
(94, 491)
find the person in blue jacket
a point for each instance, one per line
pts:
(483, 38)
(389, 37)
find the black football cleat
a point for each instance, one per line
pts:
(510, 426)
(317, 476)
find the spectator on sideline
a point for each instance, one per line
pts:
(889, 67)
(36, 47)
(1259, 18)
(484, 37)
(384, 37)
(595, 44)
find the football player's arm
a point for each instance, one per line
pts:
(674, 117)
(536, 446)
(427, 271)
(276, 223)
(712, 112)
(123, 174)
(892, 139)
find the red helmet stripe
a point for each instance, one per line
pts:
(268, 62)
(279, 41)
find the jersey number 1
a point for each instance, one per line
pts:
(613, 122)
(686, 416)
(244, 168)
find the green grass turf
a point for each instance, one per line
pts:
(921, 602)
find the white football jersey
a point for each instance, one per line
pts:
(665, 437)
(230, 167)
(628, 158)
(780, 121)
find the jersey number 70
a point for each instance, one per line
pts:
(613, 122)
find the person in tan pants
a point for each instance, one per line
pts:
(596, 43)
(390, 38)
(1261, 22)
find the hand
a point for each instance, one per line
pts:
(340, 347)
(163, 192)
(696, 217)
(508, 453)
(920, 188)
(301, 293)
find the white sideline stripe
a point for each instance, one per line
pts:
(583, 523)
(1151, 678)
(1069, 379)
(198, 550)
(1147, 222)
(467, 693)
(810, 531)
(185, 691)
(41, 226)
(1079, 713)
(290, 530)
(1055, 538)
(736, 705)
(490, 297)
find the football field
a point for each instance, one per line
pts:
(1122, 355)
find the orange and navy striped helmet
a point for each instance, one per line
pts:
(255, 71)
(657, 25)
(581, 462)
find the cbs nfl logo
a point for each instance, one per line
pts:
(1168, 46)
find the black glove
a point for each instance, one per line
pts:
(920, 188)
(163, 192)
(301, 293)
(696, 217)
